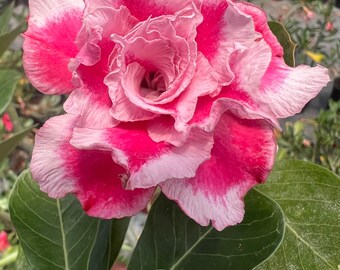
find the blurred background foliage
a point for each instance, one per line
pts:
(313, 25)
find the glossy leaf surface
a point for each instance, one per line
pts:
(57, 234)
(171, 240)
(309, 196)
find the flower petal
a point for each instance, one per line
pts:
(287, 90)
(50, 44)
(147, 163)
(91, 5)
(224, 29)
(98, 26)
(250, 65)
(261, 26)
(91, 65)
(202, 84)
(91, 99)
(154, 8)
(242, 157)
(93, 107)
(91, 175)
(123, 109)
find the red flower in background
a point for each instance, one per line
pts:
(7, 122)
(4, 244)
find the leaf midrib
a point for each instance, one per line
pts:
(307, 244)
(179, 261)
(63, 236)
(288, 226)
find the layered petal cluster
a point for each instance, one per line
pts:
(182, 95)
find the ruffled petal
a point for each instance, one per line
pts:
(287, 90)
(250, 65)
(50, 44)
(91, 5)
(98, 26)
(154, 8)
(91, 175)
(91, 99)
(147, 163)
(92, 107)
(261, 26)
(271, 90)
(224, 29)
(242, 157)
(43, 12)
(231, 99)
(123, 109)
(176, 130)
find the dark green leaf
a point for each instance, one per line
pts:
(285, 40)
(5, 18)
(57, 234)
(111, 234)
(309, 196)
(171, 240)
(22, 262)
(7, 38)
(8, 81)
(8, 145)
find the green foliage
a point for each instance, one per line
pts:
(8, 82)
(8, 145)
(171, 240)
(309, 196)
(312, 34)
(323, 148)
(328, 137)
(57, 234)
(6, 35)
(7, 38)
(285, 40)
(5, 17)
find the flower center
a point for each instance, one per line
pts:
(153, 85)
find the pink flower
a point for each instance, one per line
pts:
(329, 26)
(309, 13)
(179, 94)
(7, 122)
(4, 244)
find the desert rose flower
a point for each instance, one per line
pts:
(183, 95)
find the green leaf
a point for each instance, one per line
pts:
(22, 262)
(111, 234)
(7, 38)
(5, 18)
(285, 40)
(309, 196)
(8, 81)
(171, 240)
(8, 145)
(57, 234)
